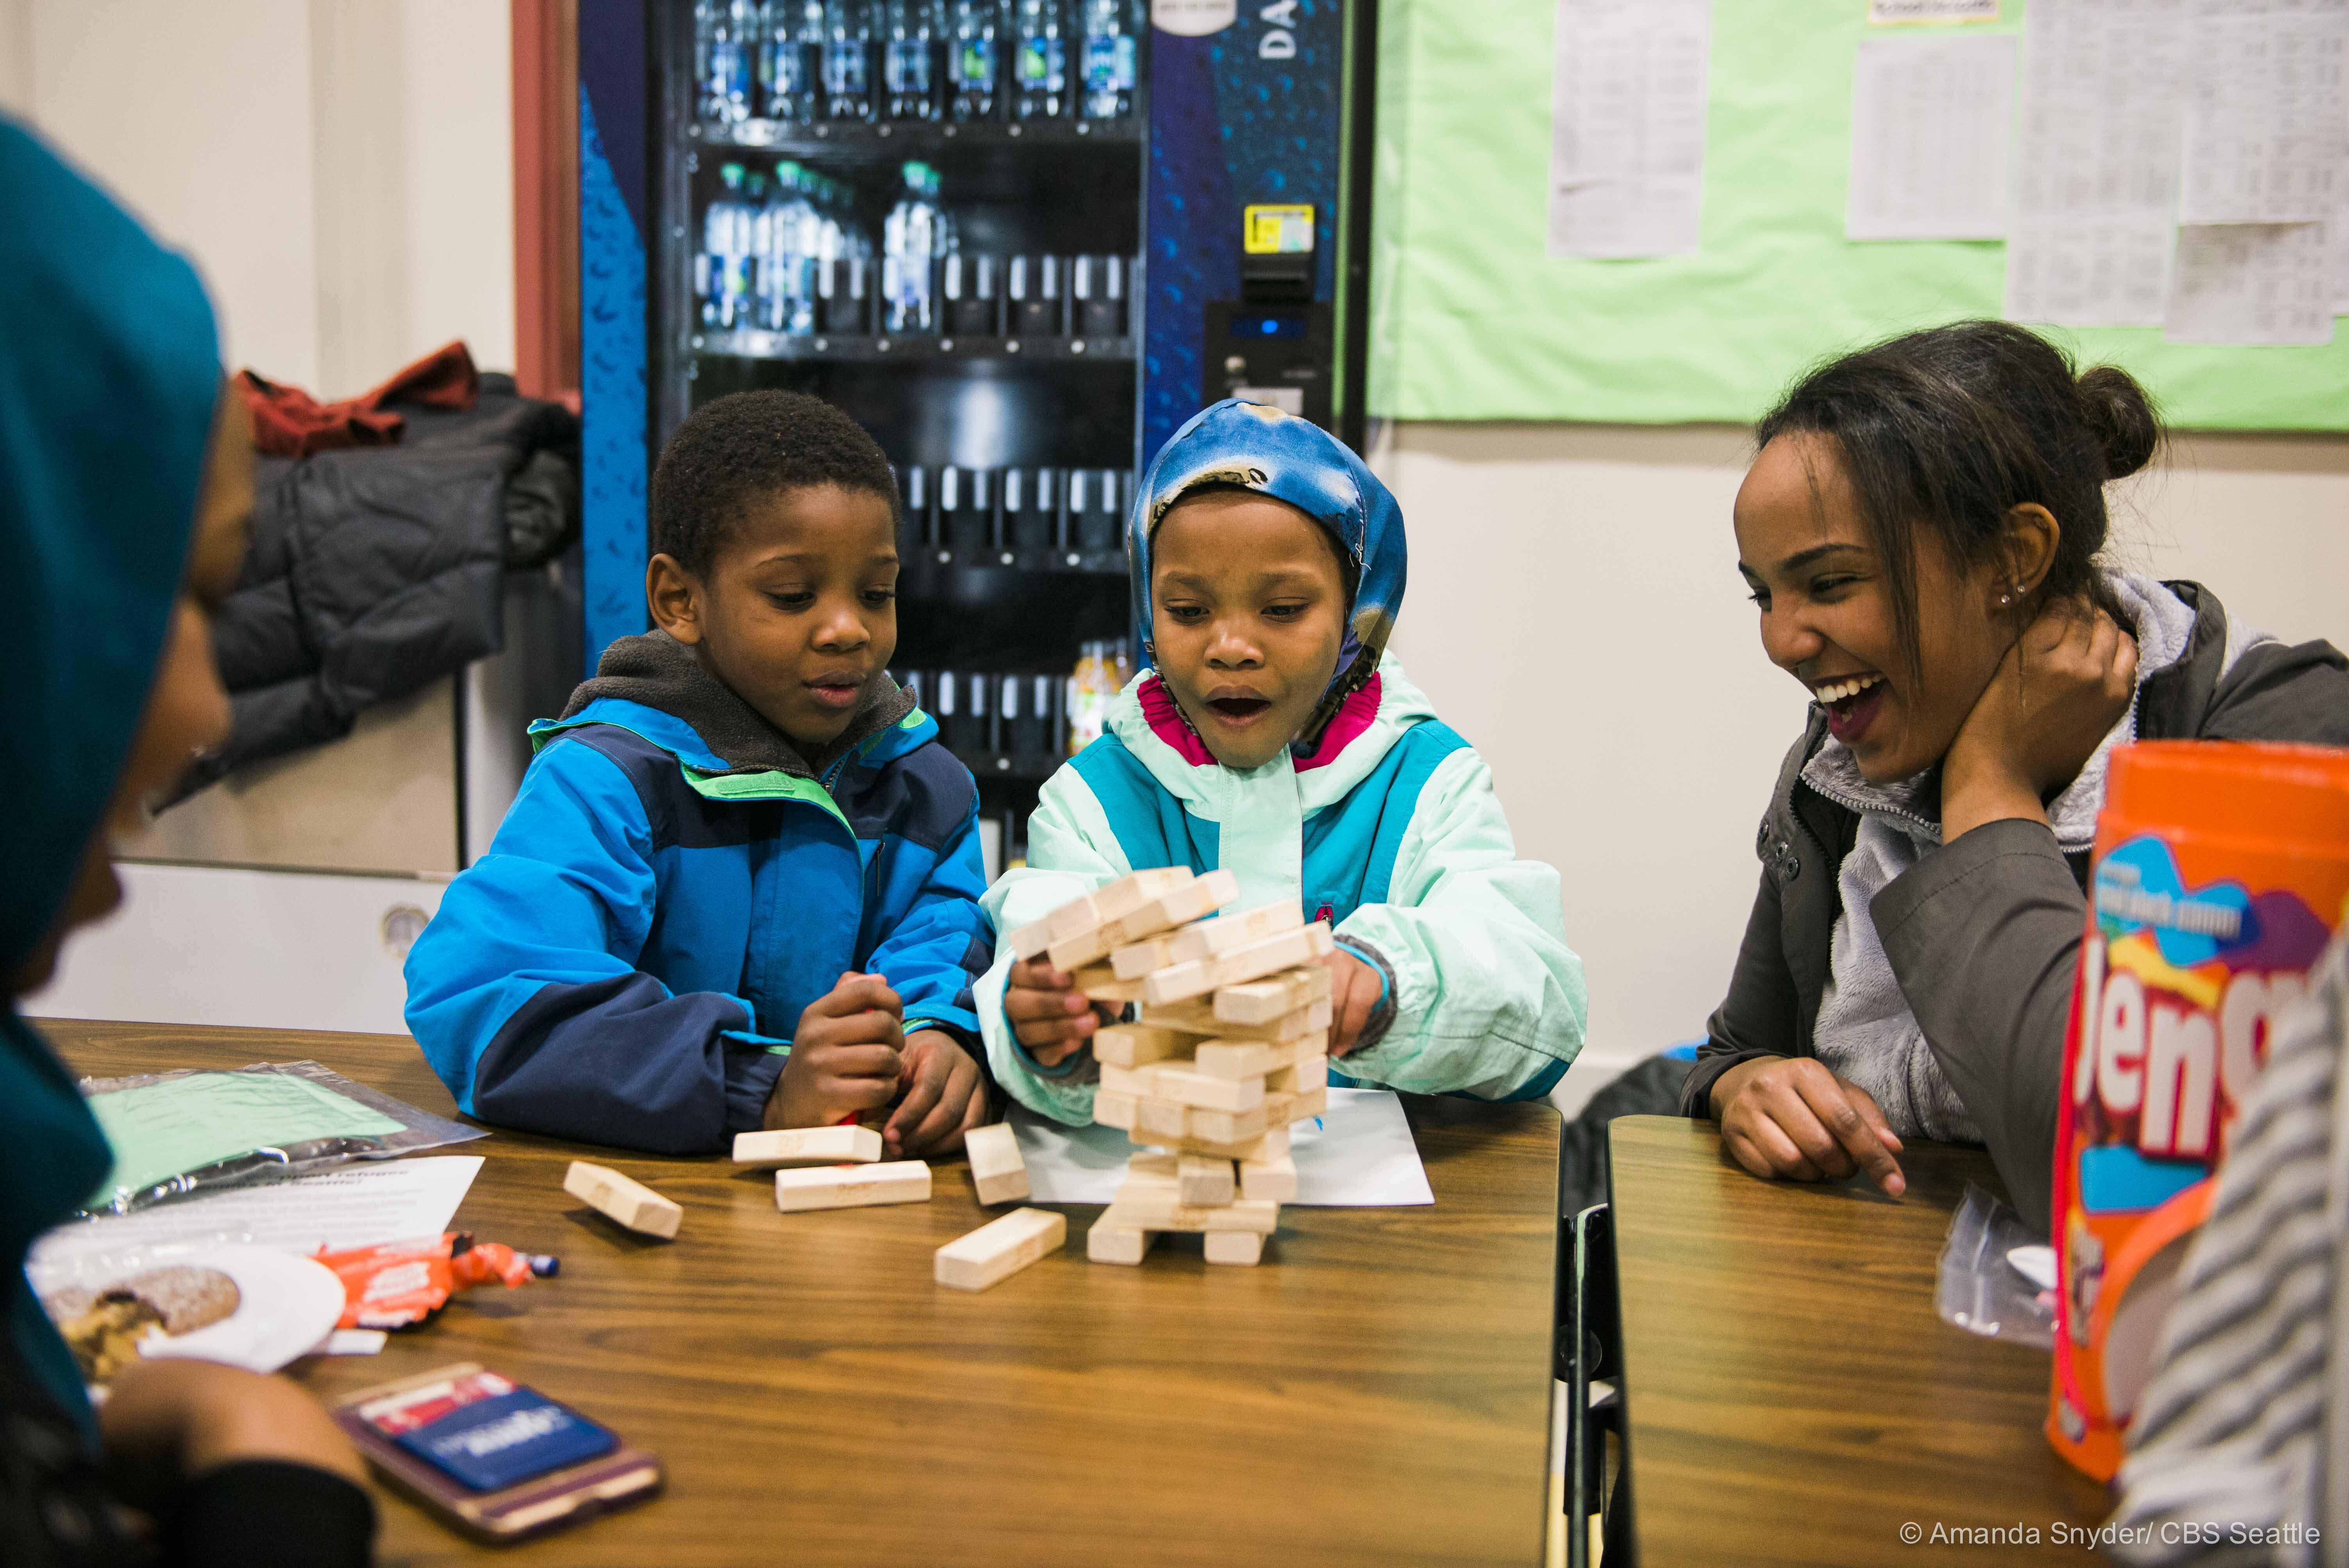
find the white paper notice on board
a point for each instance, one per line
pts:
(1884, 13)
(1929, 121)
(1627, 127)
(2266, 136)
(2097, 160)
(2251, 284)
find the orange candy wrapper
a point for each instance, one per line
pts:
(400, 1283)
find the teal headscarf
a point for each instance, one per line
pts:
(109, 373)
(1264, 449)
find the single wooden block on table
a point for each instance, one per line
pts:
(1203, 1182)
(843, 1145)
(1197, 1016)
(623, 1200)
(853, 1186)
(1175, 1081)
(1108, 1244)
(997, 1171)
(1271, 1181)
(1237, 1058)
(1190, 901)
(1138, 1044)
(1119, 1110)
(995, 1251)
(1241, 964)
(1262, 1001)
(1245, 1248)
(1162, 1215)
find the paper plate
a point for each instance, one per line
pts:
(285, 1303)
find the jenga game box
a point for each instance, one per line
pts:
(2219, 871)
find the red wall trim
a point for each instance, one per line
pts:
(546, 196)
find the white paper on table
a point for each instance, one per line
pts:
(2252, 283)
(2341, 260)
(1360, 1155)
(356, 1205)
(2096, 158)
(1627, 127)
(1930, 122)
(2266, 134)
(1883, 12)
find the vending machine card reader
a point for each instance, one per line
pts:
(1274, 345)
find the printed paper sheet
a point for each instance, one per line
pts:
(2265, 134)
(2252, 283)
(1627, 127)
(1929, 123)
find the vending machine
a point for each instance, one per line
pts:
(1020, 241)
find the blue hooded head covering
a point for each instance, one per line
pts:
(1263, 450)
(109, 371)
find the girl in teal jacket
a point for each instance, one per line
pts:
(1276, 737)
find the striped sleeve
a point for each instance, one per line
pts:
(2250, 1371)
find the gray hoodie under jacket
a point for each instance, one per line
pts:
(1984, 932)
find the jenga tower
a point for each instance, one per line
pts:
(1232, 1047)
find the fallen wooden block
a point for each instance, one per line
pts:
(1245, 1248)
(1271, 1181)
(997, 1171)
(1280, 1109)
(1119, 1110)
(1242, 964)
(1197, 1016)
(1158, 1215)
(1108, 1244)
(1138, 1044)
(995, 1251)
(1204, 1182)
(1175, 1081)
(845, 1144)
(623, 1200)
(1239, 1058)
(1259, 1001)
(1191, 900)
(853, 1186)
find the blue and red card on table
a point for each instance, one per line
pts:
(486, 1432)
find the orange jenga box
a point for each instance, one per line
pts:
(2221, 870)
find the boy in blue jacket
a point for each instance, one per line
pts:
(739, 887)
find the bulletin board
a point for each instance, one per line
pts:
(1473, 319)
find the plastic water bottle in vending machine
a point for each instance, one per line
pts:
(849, 26)
(1112, 48)
(721, 272)
(914, 235)
(790, 61)
(1040, 60)
(975, 58)
(907, 69)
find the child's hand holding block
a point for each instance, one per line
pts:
(843, 1145)
(622, 1199)
(995, 1251)
(997, 1171)
(853, 1186)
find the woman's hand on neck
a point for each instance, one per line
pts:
(2055, 696)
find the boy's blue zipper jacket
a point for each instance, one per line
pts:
(628, 962)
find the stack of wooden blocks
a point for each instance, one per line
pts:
(1232, 1046)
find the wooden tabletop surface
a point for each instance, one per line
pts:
(1377, 1391)
(1791, 1395)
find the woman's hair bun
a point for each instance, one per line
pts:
(2121, 416)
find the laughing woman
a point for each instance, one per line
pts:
(1923, 529)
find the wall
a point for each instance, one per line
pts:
(1576, 612)
(341, 169)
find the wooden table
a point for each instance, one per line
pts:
(1378, 1391)
(1790, 1393)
